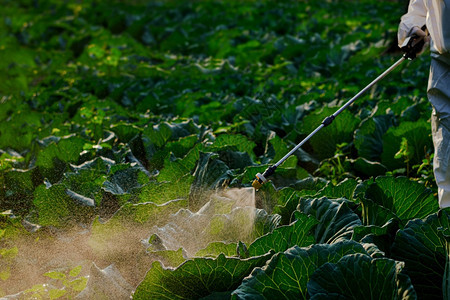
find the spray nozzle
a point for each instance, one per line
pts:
(259, 181)
(262, 178)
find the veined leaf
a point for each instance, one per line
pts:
(284, 237)
(417, 135)
(336, 219)
(369, 137)
(106, 283)
(241, 143)
(290, 197)
(325, 141)
(216, 248)
(67, 149)
(163, 192)
(54, 206)
(170, 258)
(344, 189)
(162, 133)
(358, 276)
(446, 281)
(125, 132)
(125, 181)
(422, 248)
(210, 171)
(197, 278)
(286, 275)
(381, 236)
(404, 198)
(374, 214)
(367, 168)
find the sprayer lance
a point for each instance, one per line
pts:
(411, 47)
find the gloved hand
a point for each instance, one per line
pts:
(416, 43)
(420, 33)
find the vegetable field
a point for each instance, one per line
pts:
(131, 131)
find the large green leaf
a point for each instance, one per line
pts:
(56, 153)
(196, 278)
(369, 136)
(286, 275)
(95, 177)
(235, 159)
(446, 281)
(216, 248)
(375, 214)
(146, 149)
(19, 186)
(289, 198)
(366, 168)
(178, 169)
(358, 276)
(284, 237)
(404, 198)
(17, 63)
(344, 189)
(66, 149)
(336, 219)
(125, 180)
(88, 178)
(240, 142)
(162, 192)
(125, 132)
(56, 205)
(276, 147)
(211, 172)
(325, 141)
(422, 248)
(161, 133)
(169, 258)
(417, 135)
(381, 236)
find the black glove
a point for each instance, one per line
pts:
(416, 43)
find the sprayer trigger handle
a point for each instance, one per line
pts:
(413, 45)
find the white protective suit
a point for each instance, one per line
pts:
(435, 14)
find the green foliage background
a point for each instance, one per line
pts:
(129, 112)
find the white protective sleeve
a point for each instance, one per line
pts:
(436, 15)
(416, 16)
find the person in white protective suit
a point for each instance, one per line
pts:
(435, 14)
